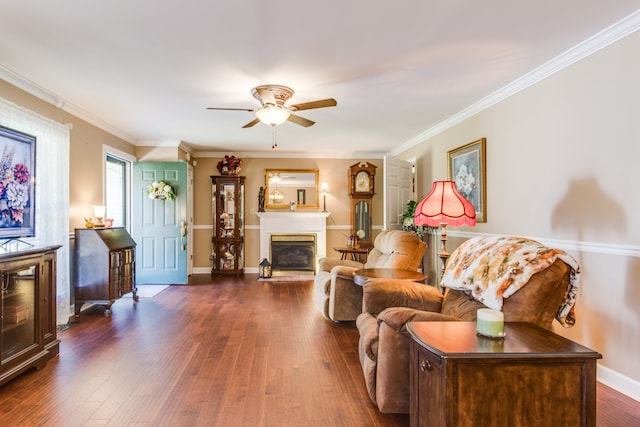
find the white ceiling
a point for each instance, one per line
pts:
(147, 70)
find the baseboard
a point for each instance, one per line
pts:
(207, 270)
(619, 382)
(288, 279)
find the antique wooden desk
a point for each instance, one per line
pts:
(531, 377)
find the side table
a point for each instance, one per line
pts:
(354, 254)
(531, 377)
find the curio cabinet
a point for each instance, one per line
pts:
(228, 224)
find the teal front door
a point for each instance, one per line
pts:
(159, 225)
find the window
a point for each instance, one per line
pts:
(117, 179)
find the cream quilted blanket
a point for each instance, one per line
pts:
(495, 267)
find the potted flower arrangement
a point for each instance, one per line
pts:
(230, 165)
(407, 216)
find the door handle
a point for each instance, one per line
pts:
(183, 234)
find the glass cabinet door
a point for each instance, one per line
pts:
(228, 222)
(18, 312)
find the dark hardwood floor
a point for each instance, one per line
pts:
(223, 352)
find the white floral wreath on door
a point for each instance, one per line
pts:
(160, 190)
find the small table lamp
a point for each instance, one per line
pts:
(441, 207)
(324, 189)
(99, 212)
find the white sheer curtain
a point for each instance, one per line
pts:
(52, 190)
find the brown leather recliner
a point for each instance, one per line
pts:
(338, 297)
(389, 304)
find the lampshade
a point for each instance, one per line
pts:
(444, 205)
(99, 211)
(273, 115)
(324, 187)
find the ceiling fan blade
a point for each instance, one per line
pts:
(230, 109)
(329, 102)
(267, 96)
(251, 123)
(300, 121)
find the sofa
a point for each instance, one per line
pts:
(338, 297)
(537, 285)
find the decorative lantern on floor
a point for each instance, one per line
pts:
(264, 269)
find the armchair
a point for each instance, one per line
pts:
(338, 297)
(550, 277)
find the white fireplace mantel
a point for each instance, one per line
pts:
(292, 223)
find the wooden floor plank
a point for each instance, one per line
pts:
(217, 352)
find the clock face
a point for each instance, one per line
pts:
(363, 183)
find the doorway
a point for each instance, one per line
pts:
(160, 223)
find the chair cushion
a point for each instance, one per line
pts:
(396, 249)
(460, 304)
(537, 302)
(495, 267)
(380, 294)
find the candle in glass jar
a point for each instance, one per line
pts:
(490, 322)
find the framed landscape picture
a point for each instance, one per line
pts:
(467, 168)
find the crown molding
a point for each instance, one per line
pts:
(275, 154)
(40, 92)
(604, 38)
(593, 44)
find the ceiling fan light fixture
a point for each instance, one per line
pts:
(273, 115)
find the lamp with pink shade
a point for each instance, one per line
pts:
(443, 206)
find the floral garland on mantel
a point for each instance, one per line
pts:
(160, 190)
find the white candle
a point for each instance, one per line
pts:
(490, 322)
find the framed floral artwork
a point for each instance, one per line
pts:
(467, 167)
(17, 184)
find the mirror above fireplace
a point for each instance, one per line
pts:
(283, 186)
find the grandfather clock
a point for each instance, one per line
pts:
(361, 191)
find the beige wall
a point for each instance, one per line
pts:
(562, 167)
(333, 171)
(86, 180)
(86, 153)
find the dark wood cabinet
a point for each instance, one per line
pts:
(228, 224)
(104, 267)
(28, 335)
(531, 377)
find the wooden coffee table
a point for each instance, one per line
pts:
(361, 276)
(530, 377)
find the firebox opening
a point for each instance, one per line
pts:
(293, 254)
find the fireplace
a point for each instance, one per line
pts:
(293, 223)
(293, 253)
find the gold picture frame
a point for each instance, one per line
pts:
(467, 167)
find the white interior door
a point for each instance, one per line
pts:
(398, 190)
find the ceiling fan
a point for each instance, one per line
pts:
(272, 110)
